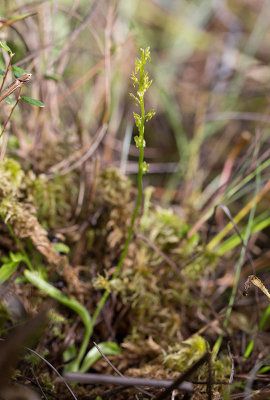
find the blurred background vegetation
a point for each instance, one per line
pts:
(210, 72)
(208, 59)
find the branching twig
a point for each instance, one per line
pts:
(16, 84)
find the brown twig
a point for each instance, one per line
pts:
(79, 157)
(5, 125)
(6, 72)
(16, 84)
(74, 35)
(126, 381)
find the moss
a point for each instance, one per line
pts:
(182, 356)
(20, 213)
(113, 187)
(54, 199)
(114, 206)
(156, 293)
(152, 288)
(11, 178)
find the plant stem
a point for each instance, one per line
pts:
(143, 84)
(218, 343)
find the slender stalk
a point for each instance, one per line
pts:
(11, 55)
(17, 84)
(143, 84)
(218, 343)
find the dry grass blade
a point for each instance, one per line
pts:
(256, 282)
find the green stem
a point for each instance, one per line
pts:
(127, 243)
(136, 210)
(218, 343)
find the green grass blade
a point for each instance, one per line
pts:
(108, 348)
(74, 305)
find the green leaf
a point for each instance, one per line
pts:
(69, 353)
(33, 101)
(9, 101)
(5, 47)
(16, 257)
(50, 290)
(54, 77)
(56, 294)
(108, 348)
(10, 265)
(61, 248)
(259, 224)
(20, 16)
(19, 71)
(7, 270)
(263, 370)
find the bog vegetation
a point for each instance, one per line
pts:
(134, 192)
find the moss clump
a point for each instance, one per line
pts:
(54, 199)
(11, 178)
(183, 355)
(154, 290)
(20, 213)
(114, 203)
(114, 188)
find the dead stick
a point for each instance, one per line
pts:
(124, 381)
(16, 84)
